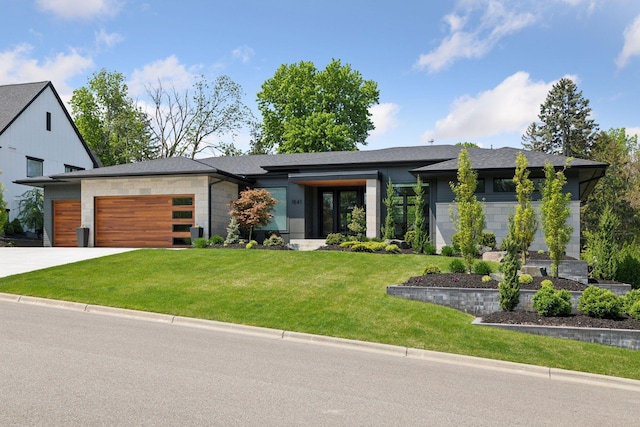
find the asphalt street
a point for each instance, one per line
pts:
(71, 367)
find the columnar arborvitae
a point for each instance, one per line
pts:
(389, 229)
(509, 287)
(602, 247)
(555, 213)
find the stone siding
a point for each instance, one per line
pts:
(222, 194)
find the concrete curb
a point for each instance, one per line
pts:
(434, 356)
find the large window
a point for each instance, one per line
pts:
(279, 220)
(405, 207)
(34, 167)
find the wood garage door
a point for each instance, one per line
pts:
(144, 221)
(67, 216)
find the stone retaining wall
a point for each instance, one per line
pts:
(625, 338)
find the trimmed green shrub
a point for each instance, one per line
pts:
(13, 227)
(335, 239)
(365, 246)
(216, 239)
(409, 237)
(482, 267)
(233, 232)
(629, 299)
(200, 243)
(486, 279)
(431, 269)
(273, 240)
(488, 239)
(525, 279)
(629, 265)
(447, 251)
(394, 249)
(376, 239)
(600, 303)
(634, 311)
(549, 301)
(457, 266)
(429, 249)
(546, 282)
(252, 244)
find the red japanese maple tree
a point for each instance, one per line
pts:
(253, 208)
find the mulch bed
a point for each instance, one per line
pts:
(450, 280)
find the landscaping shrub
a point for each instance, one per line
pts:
(634, 311)
(481, 267)
(233, 232)
(629, 299)
(447, 251)
(488, 239)
(273, 240)
(348, 243)
(394, 249)
(509, 287)
(431, 269)
(364, 246)
(200, 243)
(525, 279)
(377, 239)
(549, 301)
(335, 239)
(13, 227)
(600, 303)
(429, 249)
(457, 266)
(629, 265)
(252, 244)
(486, 279)
(216, 239)
(409, 237)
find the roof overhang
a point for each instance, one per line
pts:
(334, 179)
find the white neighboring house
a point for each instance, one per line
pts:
(37, 138)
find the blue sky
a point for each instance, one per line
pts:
(447, 71)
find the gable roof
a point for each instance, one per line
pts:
(16, 98)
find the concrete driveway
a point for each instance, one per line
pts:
(22, 260)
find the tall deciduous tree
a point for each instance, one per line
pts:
(469, 221)
(305, 110)
(616, 188)
(525, 221)
(389, 229)
(565, 126)
(187, 123)
(555, 214)
(109, 120)
(253, 208)
(421, 237)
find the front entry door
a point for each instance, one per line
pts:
(337, 205)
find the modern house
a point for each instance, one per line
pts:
(153, 203)
(37, 138)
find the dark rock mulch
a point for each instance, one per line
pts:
(573, 320)
(450, 280)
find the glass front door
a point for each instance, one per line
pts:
(337, 206)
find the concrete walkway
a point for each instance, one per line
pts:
(22, 260)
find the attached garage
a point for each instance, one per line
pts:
(160, 221)
(66, 218)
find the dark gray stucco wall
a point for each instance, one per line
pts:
(51, 193)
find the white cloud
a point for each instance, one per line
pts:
(384, 117)
(17, 66)
(475, 40)
(631, 43)
(633, 131)
(108, 39)
(244, 53)
(511, 106)
(81, 9)
(170, 72)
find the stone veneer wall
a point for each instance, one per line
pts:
(497, 220)
(222, 194)
(146, 186)
(373, 207)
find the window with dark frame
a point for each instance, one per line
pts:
(49, 121)
(69, 168)
(34, 167)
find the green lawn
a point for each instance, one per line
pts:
(329, 293)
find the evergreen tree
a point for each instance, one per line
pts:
(509, 287)
(421, 236)
(389, 229)
(358, 222)
(602, 248)
(525, 222)
(565, 127)
(469, 221)
(4, 217)
(555, 213)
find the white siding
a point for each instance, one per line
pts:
(28, 137)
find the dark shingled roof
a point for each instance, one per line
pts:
(14, 99)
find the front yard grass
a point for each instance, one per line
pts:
(337, 294)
